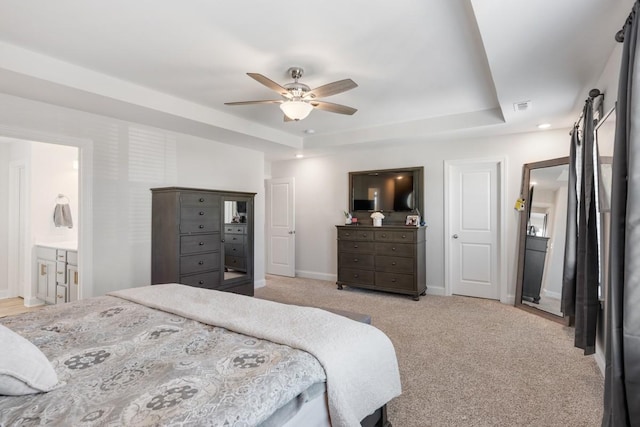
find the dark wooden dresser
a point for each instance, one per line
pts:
(188, 236)
(388, 258)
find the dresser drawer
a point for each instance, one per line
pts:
(394, 264)
(355, 234)
(395, 249)
(195, 219)
(404, 282)
(200, 199)
(209, 280)
(201, 262)
(349, 275)
(359, 261)
(234, 249)
(235, 262)
(355, 246)
(395, 236)
(235, 238)
(199, 243)
(235, 229)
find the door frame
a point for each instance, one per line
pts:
(85, 212)
(18, 230)
(501, 163)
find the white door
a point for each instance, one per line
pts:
(281, 227)
(473, 229)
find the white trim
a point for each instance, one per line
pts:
(551, 294)
(15, 279)
(501, 163)
(259, 283)
(599, 358)
(316, 275)
(33, 302)
(439, 291)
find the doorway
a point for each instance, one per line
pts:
(474, 224)
(42, 177)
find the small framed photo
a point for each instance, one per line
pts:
(413, 220)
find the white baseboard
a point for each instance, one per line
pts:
(259, 283)
(33, 302)
(435, 290)
(316, 275)
(599, 358)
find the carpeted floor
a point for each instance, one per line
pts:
(467, 361)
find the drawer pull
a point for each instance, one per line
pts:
(201, 243)
(239, 230)
(393, 280)
(201, 226)
(60, 296)
(393, 263)
(404, 236)
(200, 262)
(355, 246)
(355, 260)
(347, 234)
(201, 199)
(364, 235)
(355, 276)
(75, 277)
(200, 282)
(393, 249)
(201, 213)
(384, 235)
(60, 272)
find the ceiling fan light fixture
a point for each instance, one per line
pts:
(296, 109)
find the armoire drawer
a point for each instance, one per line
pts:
(355, 246)
(404, 282)
(210, 280)
(199, 243)
(194, 220)
(394, 264)
(199, 262)
(200, 199)
(359, 261)
(394, 236)
(349, 275)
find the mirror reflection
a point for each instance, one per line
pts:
(235, 239)
(545, 237)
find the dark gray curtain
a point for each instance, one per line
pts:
(587, 278)
(571, 237)
(622, 374)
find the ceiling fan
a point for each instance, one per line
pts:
(298, 99)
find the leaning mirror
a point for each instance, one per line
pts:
(238, 240)
(542, 237)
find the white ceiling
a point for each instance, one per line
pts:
(425, 69)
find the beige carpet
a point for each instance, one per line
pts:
(467, 361)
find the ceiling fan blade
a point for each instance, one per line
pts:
(332, 88)
(269, 101)
(334, 108)
(269, 83)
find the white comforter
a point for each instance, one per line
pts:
(359, 360)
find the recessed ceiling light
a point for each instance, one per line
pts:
(544, 125)
(299, 156)
(309, 131)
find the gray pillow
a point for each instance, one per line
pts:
(24, 369)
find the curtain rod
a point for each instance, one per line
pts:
(593, 94)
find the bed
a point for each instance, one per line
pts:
(177, 355)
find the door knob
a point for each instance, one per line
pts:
(292, 232)
(455, 236)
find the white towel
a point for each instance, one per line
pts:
(62, 215)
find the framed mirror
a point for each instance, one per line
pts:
(542, 236)
(238, 240)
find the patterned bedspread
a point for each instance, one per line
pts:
(121, 363)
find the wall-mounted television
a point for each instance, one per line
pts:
(386, 190)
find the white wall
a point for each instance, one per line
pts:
(127, 160)
(4, 218)
(52, 173)
(322, 193)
